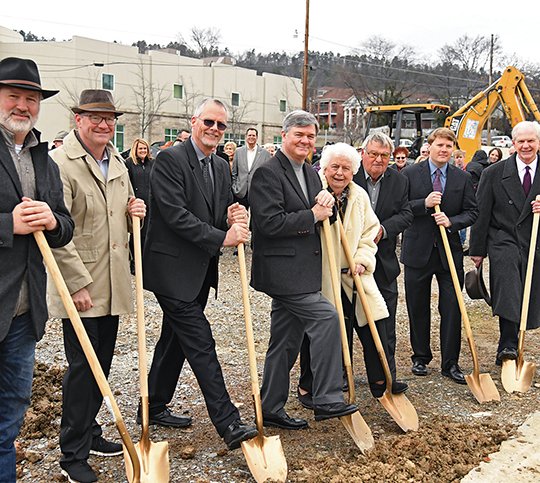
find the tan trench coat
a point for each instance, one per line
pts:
(98, 256)
(361, 226)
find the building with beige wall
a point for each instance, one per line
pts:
(157, 90)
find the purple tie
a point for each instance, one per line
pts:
(437, 185)
(527, 181)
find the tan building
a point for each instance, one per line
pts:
(157, 90)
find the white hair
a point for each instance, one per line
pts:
(343, 150)
(525, 126)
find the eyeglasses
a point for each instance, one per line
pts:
(374, 155)
(212, 123)
(96, 120)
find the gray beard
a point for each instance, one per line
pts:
(17, 127)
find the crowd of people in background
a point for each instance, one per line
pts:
(197, 201)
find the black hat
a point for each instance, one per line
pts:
(475, 287)
(96, 100)
(23, 74)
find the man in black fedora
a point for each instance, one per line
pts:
(95, 266)
(25, 207)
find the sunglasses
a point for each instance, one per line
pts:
(400, 157)
(211, 123)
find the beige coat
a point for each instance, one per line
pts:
(361, 226)
(98, 256)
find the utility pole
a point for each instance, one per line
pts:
(489, 83)
(305, 70)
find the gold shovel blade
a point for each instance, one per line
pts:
(401, 410)
(359, 430)
(154, 461)
(482, 387)
(265, 458)
(517, 377)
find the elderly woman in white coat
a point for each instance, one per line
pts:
(339, 162)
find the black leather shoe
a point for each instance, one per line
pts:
(237, 432)
(419, 368)
(399, 387)
(304, 399)
(454, 373)
(506, 354)
(284, 421)
(334, 410)
(168, 419)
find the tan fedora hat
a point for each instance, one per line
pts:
(475, 286)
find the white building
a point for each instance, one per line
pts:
(157, 90)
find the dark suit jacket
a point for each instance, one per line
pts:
(286, 243)
(20, 253)
(458, 203)
(185, 231)
(395, 215)
(503, 231)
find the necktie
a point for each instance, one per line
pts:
(206, 177)
(437, 184)
(527, 181)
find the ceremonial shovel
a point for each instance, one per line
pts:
(481, 385)
(517, 375)
(264, 455)
(354, 423)
(397, 405)
(97, 371)
(153, 457)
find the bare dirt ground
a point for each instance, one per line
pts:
(456, 433)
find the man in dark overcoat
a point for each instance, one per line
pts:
(506, 200)
(26, 206)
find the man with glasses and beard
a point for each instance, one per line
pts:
(26, 207)
(95, 266)
(191, 218)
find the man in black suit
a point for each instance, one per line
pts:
(388, 192)
(506, 200)
(287, 203)
(436, 182)
(26, 206)
(191, 219)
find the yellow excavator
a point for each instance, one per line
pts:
(509, 91)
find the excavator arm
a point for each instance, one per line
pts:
(509, 92)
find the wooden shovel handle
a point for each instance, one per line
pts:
(365, 305)
(255, 390)
(336, 288)
(88, 350)
(459, 295)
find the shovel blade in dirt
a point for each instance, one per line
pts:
(482, 387)
(516, 377)
(265, 458)
(357, 427)
(154, 461)
(401, 410)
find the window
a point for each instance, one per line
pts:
(277, 139)
(119, 137)
(170, 134)
(235, 99)
(178, 91)
(107, 82)
(239, 139)
(282, 105)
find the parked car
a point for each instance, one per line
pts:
(501, 141)
(407, 143)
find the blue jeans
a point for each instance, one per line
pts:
(16, 371)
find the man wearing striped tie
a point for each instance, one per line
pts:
(436, 182)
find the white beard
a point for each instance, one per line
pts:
(16, 126)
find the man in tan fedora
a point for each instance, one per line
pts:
(95, 266)
(26, 206)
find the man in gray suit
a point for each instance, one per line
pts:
(288, 203)
(246, 160)
(26, 206)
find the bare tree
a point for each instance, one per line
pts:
(237, 118)
(148, 97)
(471, 54)
(190, 97)
(206, 41)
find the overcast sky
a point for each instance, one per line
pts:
(270, 25)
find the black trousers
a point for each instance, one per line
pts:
(186, 334)
(81, 397)
(418, 296)
(509, 334)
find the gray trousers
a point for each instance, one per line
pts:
(292, 317)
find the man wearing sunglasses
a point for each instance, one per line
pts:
(95, 266)
(192, 218)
